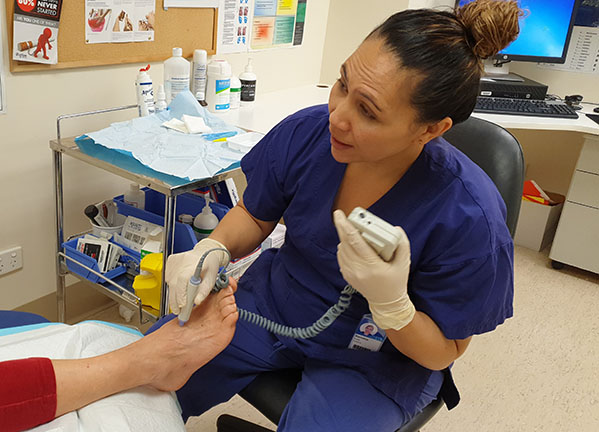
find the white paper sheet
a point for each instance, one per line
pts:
(139, 409)
(234, 26)
(278, 23)
(191, 3)
(110, 21)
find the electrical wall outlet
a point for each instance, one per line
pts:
(11, 260)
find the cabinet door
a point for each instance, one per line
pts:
(577, 238)
(584, 189)
(589, 156)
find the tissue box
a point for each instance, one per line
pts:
(537, 223)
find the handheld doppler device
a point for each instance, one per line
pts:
(380, 235)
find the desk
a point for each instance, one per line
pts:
(577, 238)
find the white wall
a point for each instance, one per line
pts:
(34, 100)
(350, 21)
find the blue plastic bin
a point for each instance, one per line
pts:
(186, 204)
(70, 249)
(185, 238)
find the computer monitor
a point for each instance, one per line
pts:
(545, 31)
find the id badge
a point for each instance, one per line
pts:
(368, 336)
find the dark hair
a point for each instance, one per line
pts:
(445, 50)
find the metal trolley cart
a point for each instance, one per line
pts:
(117, 292)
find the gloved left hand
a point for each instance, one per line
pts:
(383, 284)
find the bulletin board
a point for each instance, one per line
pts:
(188, 28)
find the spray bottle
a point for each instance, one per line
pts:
(145, 92)
(160, 99)
(198, 83)
(205, 222)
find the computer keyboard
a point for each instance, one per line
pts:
(524, 107)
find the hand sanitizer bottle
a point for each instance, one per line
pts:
(248, 85)
(205, 222)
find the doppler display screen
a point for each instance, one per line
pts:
(544, 30)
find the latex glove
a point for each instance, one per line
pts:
(383, 284)
(181, 267)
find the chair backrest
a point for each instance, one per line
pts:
(499, 154)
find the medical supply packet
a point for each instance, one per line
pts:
(167, 151)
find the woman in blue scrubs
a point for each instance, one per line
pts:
(376, 145)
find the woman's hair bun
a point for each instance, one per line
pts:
(490, 25)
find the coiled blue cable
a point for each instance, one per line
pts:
(302, 332)
(311, 331)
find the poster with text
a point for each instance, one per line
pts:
(113, 21)
(35, 31)
(234, 24)
(278, 23)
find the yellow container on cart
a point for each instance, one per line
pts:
(148, 283)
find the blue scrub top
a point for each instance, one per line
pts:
(461, 272)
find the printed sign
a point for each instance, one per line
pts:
(36, 30)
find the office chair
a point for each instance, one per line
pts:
(499, 154)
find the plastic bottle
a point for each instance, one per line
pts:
(135, 197)
(235, 92)
(145, 92)
(176, 75)
(160, 99)
(248, 84)
(218, 85)
(126, 313)
(198, 83)
(205, 222)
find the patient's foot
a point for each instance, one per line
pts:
(177, 352)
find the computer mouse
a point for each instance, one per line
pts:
(596, 109)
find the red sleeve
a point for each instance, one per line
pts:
(27, 393)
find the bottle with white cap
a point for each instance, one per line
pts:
(135, 197)
(198, 82)
(176, 75)
(218, 86)
(160, 99)
(248, 84)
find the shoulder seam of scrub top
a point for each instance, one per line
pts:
(297, 117)
(491, 239)
(467, 261)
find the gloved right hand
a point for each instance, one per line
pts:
(181, 267)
